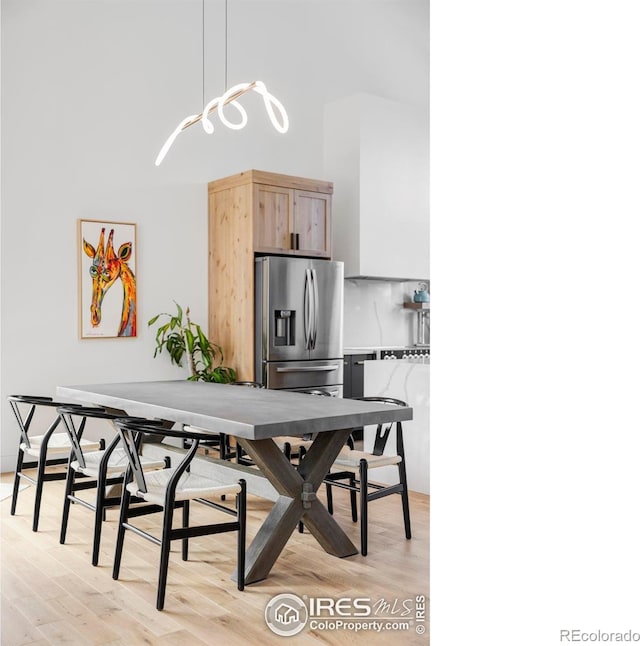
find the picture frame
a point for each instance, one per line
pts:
(108, 297)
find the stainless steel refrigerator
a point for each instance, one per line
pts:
(298, 323)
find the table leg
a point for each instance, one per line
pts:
(290, 507)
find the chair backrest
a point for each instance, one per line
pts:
(316, 391)
(320, 393)
(75, 431)
(249, 384)
(33, 401)
(131, 430)
(383, 430)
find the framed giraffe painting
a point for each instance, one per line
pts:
(107, 279)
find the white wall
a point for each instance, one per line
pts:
(90, 91)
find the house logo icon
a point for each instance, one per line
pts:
(286, 615)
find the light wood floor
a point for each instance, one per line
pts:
(50, 593)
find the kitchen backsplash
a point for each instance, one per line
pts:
(374, 314)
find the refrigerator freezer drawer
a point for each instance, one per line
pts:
(304, 374)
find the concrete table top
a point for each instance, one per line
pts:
(250, 413)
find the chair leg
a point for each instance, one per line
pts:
(402, 473)
(66, 505)
(124, 509)
(185, 523)
(301, 453)
(98, 518)
(354, 498)
(16, 482)
(42, 463)
(165, 548)
(241, 508)
(329, 497)
(364, 499)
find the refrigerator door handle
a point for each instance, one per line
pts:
(316, 307)
(307, 309)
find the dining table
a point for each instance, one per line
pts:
(255, 416)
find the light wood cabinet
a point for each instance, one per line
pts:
(292, 222)
(273, 225)
(255, 213)
(312, 224)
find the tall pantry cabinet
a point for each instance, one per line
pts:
(250, 214)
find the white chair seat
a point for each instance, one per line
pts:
(296, 443)
(189, 486)
(199, 429)
(58, 443)
(350, 460)
(117, 464)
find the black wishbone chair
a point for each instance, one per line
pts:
(97, 470)
(50, 448)
(353, 467)
(221, 440)
(169, 489)
(240, 454)
(296, 447)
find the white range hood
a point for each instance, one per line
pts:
(376, 152)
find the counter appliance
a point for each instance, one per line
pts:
(415, 352)
(298, 323)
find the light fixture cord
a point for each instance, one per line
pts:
(203, 104)
(226, 40)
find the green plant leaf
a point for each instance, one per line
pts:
(204, 342)
(181, 337)
(190, 340)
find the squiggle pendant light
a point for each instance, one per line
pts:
(228, 98)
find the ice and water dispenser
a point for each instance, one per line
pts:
(285, 326)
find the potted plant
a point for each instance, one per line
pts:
(180, 336)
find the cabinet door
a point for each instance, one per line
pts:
(357, 373)
(273, 219)
(346, 377)
(312, 224)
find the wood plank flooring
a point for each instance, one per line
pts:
(50, 593)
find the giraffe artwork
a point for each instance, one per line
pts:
(108, 297)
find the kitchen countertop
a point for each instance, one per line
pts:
(375, 348)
